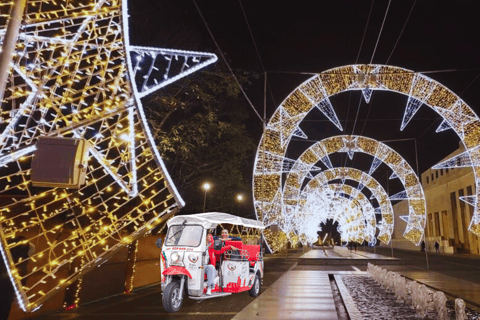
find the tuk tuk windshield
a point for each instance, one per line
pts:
(184, 235)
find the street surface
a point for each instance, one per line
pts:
(147, 303)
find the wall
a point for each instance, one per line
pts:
(447, 220)
(108, 279)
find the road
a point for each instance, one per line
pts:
(147, 303)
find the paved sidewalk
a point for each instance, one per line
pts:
(467, 290)
(303, 294)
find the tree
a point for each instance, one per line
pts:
(199, 124)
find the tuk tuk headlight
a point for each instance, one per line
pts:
(174, 257)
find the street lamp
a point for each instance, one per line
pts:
(206, 186)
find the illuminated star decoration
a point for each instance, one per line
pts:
(349, 146)
(381, 153)
(74, 74)
(316, 92)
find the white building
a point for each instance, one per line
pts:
(448, 217)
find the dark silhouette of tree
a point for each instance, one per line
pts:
(199, 124)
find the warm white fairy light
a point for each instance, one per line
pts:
(72, 76)
(381, 154)
(419, 88)
(384, 209)
(320, 202)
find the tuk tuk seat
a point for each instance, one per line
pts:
(253, 251)
(236, 244)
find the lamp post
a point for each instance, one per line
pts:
(206, 186)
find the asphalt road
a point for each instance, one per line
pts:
(146, 303)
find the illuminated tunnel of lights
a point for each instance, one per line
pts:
(270, 198)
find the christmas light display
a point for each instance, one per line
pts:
(381, 153)
(74, 74)
(339, 202)
(420, 90)
(364, 181)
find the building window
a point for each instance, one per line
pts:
(430, 225)
(432, 176)
(464, 223)
(446, 170)
(436, 175)
(427, 180)
(441, 172)
(437, 224)
(453, 203)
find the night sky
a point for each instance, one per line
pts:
(298, 37)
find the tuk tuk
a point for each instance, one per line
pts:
(184, 257)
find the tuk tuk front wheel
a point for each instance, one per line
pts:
(172, 297)
(255, 289)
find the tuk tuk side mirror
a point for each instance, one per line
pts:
(159, 243)
(217, 244)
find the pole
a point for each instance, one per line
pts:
(286, 256)
(426, 217)
(426, 243)
(9, 41)
(204, 200)
(391, 246)
(388, 192)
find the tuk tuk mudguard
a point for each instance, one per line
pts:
(176, 270)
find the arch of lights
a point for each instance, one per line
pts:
(320, 151)
(74, 74)
(332, 203)
(271, 163)
(320, 202)
(364, 181)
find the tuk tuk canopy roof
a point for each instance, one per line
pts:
(212, 219)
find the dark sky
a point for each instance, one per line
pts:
(313, 36)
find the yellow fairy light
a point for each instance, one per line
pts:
(62, 86)
(315, 92)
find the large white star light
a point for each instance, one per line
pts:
(75, 74)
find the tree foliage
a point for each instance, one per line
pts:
(199, 125)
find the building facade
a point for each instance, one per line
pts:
(448, 217)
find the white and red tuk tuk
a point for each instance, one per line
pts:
(183, 259)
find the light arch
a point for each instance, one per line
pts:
(315, 92)
(363, 218)
(365, 181)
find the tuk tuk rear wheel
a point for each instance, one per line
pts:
(172, 297)
(255, 289)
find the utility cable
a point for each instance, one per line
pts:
(356, 61)
(381, 29)
(225, 60)
(475, 79)
(364, 32)
(401, 32)
(371, 60)
(256, 50)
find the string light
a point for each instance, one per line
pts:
(73, 76)
(340, 202)
(364, 181)
(316, 91)
(279, 211)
